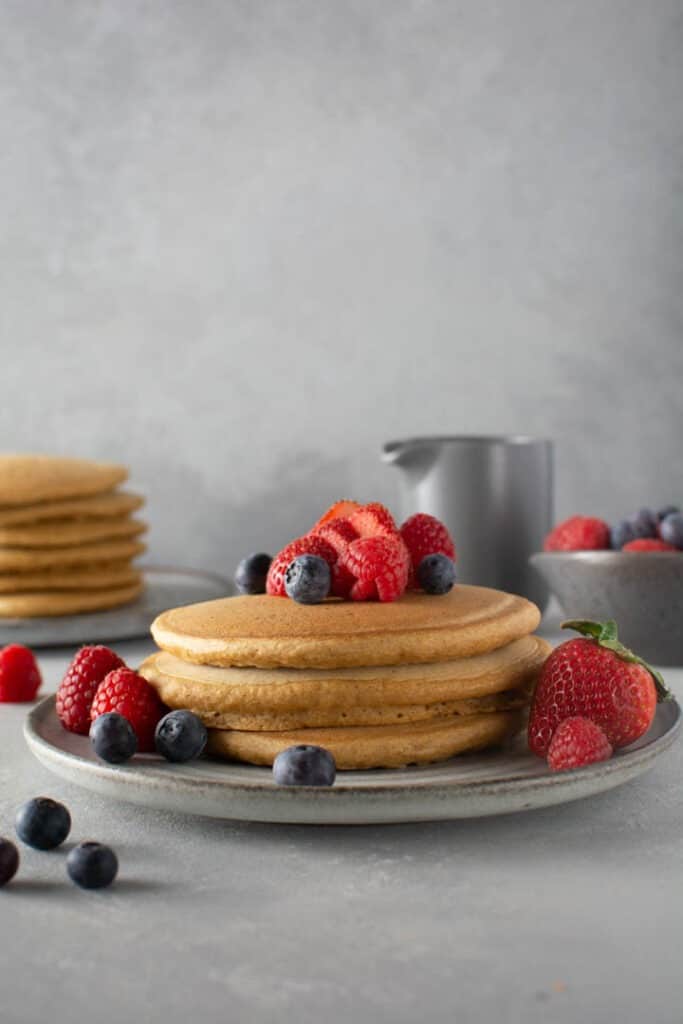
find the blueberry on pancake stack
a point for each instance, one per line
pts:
(395, 666)
(67, 536)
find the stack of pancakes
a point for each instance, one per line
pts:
(378, 685)
(67, 536)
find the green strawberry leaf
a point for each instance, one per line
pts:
(606, 635)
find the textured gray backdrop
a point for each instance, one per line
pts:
(244, 243)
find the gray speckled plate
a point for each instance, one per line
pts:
(497, 782)
(164, 588)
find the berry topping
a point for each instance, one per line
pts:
(641, 525)
(373, 520)
(251, 573)
(113, 738)
(380, 564)
(76, 691)
(304, 766)
(671, 529)
(19, 675)
(436, 574)
(425, 535)
(308, 579)
(648, 544)
(311, 545)
(577, 742)
(180, 736)
(9, 861)
(579, 533)
(340, 509)
(43, 823)
(128, 693)
(339, 533)
(92, 865)
(595, 678)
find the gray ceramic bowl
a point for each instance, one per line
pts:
(641, 591)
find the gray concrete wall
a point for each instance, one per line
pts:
(244, 243)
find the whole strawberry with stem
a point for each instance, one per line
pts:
(595, 677)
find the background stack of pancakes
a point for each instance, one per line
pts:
(378, 685)
(67, 536)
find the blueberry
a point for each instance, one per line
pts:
(113, 738)
(9, 861)
(92, 865)
(668, 510)
(180, 736)
(621, 533)
(308, 579)
(645, 523)
(43, 823)
(436, 574)
(304, 766)
(250, 577)
(671, 529)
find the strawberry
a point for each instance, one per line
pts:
(378, 563)
(596, 678)
(88, 668)
(577, 742)
(19, 675)
(648, 544)
(132, 696)
(339, 533)
(311, 545)
(340, 510)
(425, 535)
(373, 520)
(579, 533)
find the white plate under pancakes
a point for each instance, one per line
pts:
(470, 786)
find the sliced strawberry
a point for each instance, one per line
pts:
(340, 509)
(311, 545)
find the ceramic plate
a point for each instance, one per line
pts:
(164, 588)
(466, 787)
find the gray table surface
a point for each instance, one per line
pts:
(567, 914)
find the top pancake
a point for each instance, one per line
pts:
(27, 479)
(271, 632)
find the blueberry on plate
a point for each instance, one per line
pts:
(436, 574)
(671, 529)
(43, 823)
(304, 766)
(251, 573)
(308, 579)
(113, 738)
(92, 865)
(180, 736)
(9, 861)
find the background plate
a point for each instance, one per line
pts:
(466, 787)
(164, 588)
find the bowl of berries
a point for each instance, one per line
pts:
(631, 571)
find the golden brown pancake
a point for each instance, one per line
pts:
(64, 533)
(28, 479)
(56, 602)
(31, 560)
(271, 632)
(96, 577)
(99, 506)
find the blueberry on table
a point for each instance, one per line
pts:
(671, 529)
(250, 577)
(92, 865)
(113, 738)
(43, 823)
(308, 579)
(436, 574)
(9, 861)
(180, 736)
(304, 765)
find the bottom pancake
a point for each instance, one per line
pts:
(389, 746)
(63, 602)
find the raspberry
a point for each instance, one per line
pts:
(128, 693)
(77, 689)
(577, 742)
(340, 509)
(373, 520)
(579, 533)
(648, 544)
(425, 535)
(19, 675)
(339, 533)
(382, 562)
(311, 545)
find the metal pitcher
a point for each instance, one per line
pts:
(495, 494)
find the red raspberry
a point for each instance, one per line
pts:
(339, 533)
(311, 545)
(425, 535)
(579, 533)
(648, 544)
(128, 693)
(19, 675)
(85, 673)
(381, 561)
(373, 520)
(577, 742)
(340, 509)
